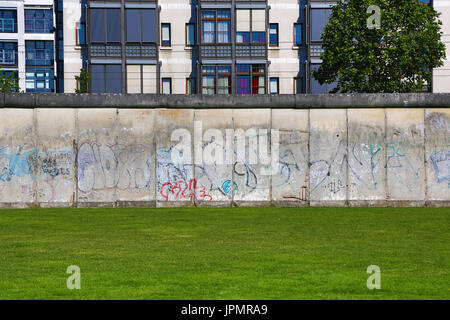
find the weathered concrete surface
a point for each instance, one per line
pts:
(251, 183)
(56, 136)
(18, 157)
(405, 154)
(366, 155)
(213, 164)
(328, 156)
(288, 101)
(96, 161)
(135, 155)
(173, 135)
(59, 157)
(290, 183)
(437, 154)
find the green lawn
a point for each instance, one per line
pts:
(229, 253)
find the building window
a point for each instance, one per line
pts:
(298, 85)
(39, 53)
(141, 78)
(190, 34)
(81, 34)
(298, 34)
(256, 28)
(141, 25)
(274, 85)
(243, 78)
(166, 85)
(216, 26)
(258, 79)
(319, 19)
(273, 35)
(216, 79)
(255, 74)
(316, 87)
(39, 21)
(8, 21)
(39, 80)
(105, 25)
(190, 86)
(106, 78)
(165, 35)
(8, 53)
(10, 75)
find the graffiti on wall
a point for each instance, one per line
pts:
(103, 167)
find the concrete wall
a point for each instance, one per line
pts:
(55, 155)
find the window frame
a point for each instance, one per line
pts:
(186, 33)
(14, 12)
(77, 31)
(295, 85)
(170, 85)
(166, 24)
(278, 35)
(192, 81)
(105, 78)
(278, 85)
(295, 33)
(216, 19)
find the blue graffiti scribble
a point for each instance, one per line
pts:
(441, 165)
(226, 187)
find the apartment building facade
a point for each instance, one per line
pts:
(173, 46)
(441, 76)
(27, 43)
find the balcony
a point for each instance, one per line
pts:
(147, 51)
(8, 57)
(7, 25)
(250, 51)
(316, 50)
(106, 50)
(216, 51)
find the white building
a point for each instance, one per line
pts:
(441, 76)
(27, 43)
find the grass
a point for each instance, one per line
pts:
(228, 253)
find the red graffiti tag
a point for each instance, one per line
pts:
(182, 190)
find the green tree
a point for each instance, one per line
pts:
(83, 81)
(9, 82)
(399, 56)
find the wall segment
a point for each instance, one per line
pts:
(158, 151)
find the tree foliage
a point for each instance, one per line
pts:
(397, 57)
(83, 81)
(9, 82)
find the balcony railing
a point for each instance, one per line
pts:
(106, 50)
(8, 57)
(38, 25)
(250, 51)
(212, 51)
(7, 25)
(148, 51)
(316, 50)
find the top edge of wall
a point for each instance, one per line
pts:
(301, 101)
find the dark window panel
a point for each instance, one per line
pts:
(97, 25)
(114, 78)
(148, 25)
(113, 25)
(98, 78)
(133, 25)
(319, 18)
